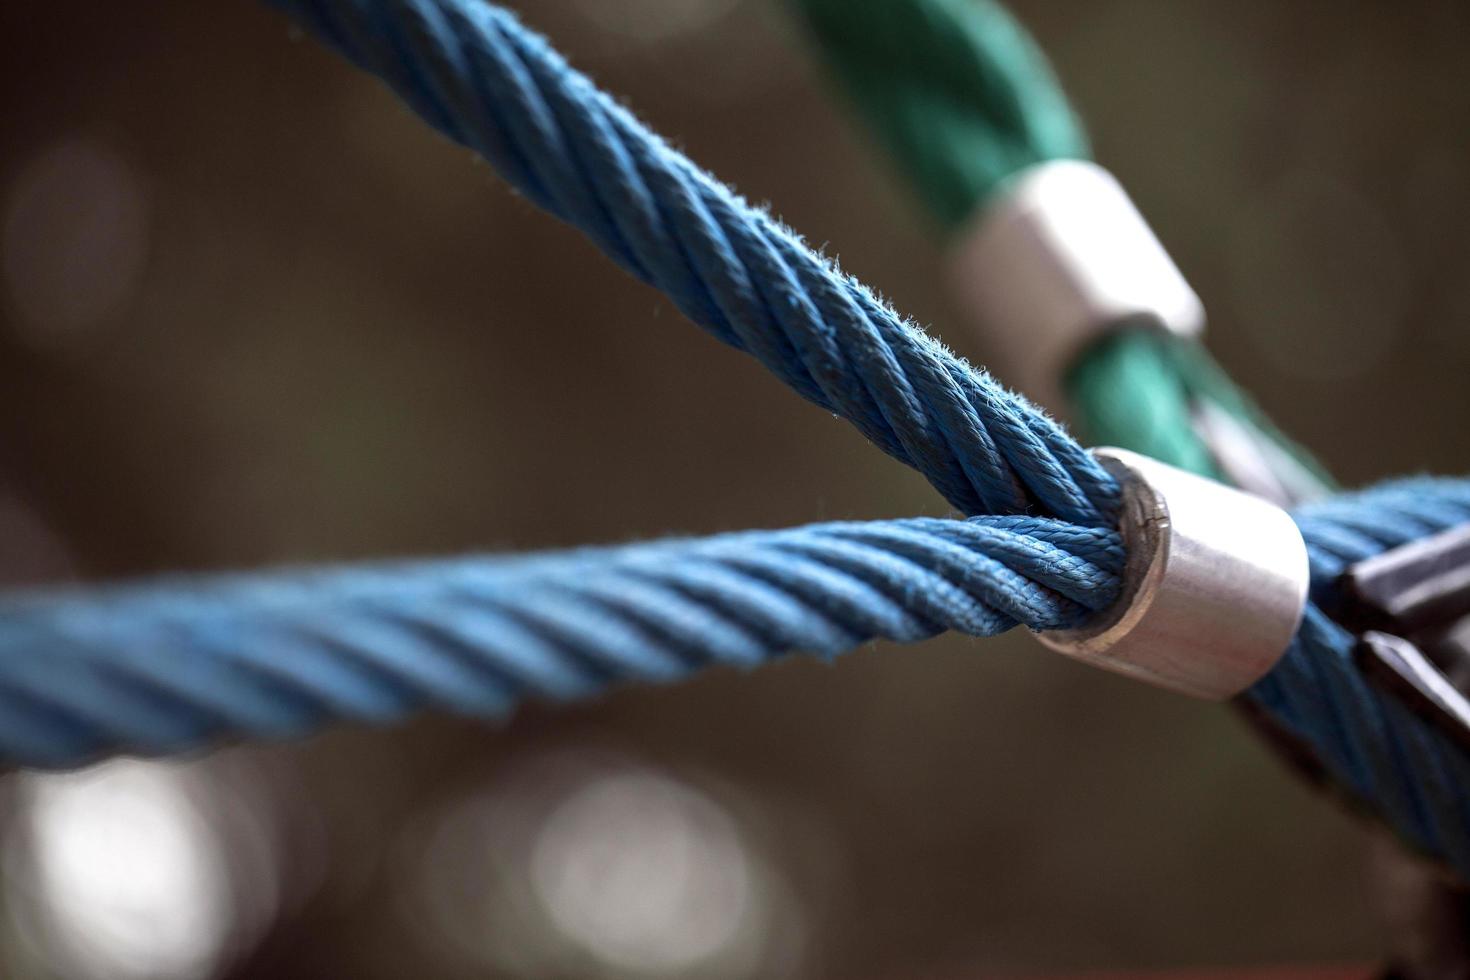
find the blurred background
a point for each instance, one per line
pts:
(252, 312)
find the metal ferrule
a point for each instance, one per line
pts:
(1060, 258)
(1214, 587)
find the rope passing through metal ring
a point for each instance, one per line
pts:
(1199, 555)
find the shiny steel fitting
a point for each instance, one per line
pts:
(1213, 590)
(1059, 259)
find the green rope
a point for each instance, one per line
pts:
(1152, 415)
(956, 91)
(961, 99)
(1162, 378)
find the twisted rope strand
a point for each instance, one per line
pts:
(1406, 771)
(163, 667)
(169, 666)
(962, 100)
(473, 72)
(481, 78)
(956, 91)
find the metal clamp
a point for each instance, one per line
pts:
(1411, 609)
(1059, 259)
(1214, 587)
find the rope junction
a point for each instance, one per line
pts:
(164, 667)
(962, 100)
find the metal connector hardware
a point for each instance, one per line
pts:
(1060, 258)
(1214, 587)
(1411, 609)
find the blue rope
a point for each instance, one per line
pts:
(164, 667)
(482, 79)
(167, 666)
(172, 665)
(474, 73)
(1371, 746)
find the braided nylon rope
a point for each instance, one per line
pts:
(477, 75)
(962, 100)
(1370, 745)
(168, 666)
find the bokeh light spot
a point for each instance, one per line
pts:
(74, 242)
(643, 873)
(119, 875)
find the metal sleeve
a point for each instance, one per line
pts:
(1214, 588)
(1059, 258)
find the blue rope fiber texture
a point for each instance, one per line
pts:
(164, 667)
(473, 72)
(1370, 745)
(172, 665)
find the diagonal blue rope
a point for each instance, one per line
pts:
(481, 78)
(474, 73)
(167, 666)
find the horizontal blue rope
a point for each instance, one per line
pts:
(171, 665)
(174, 664)
(474, 73)
(165, 667)
(481, 78)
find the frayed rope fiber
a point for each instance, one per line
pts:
(167, 666)
(481, 78)
(476, 74)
